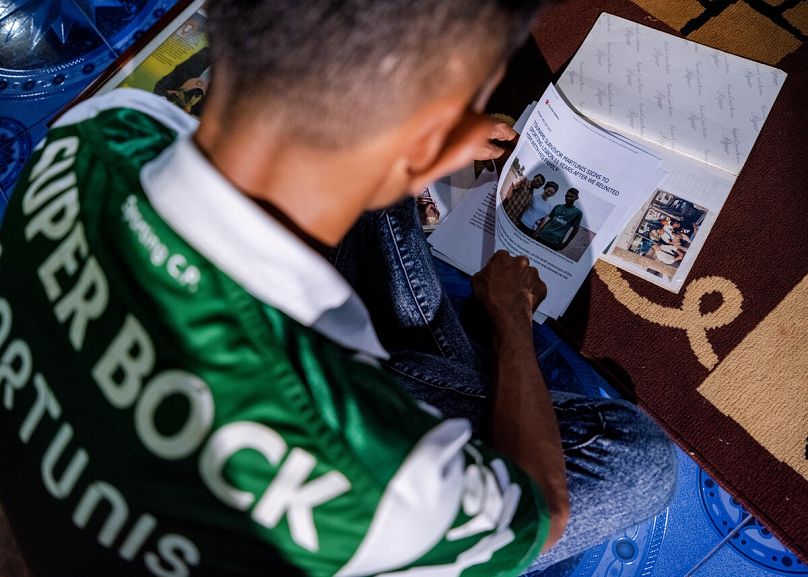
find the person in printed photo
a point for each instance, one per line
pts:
(539, 207)
(187, 83)
(561, 225)
(516, 203)
(427, 209)
(666, 253)
(681, 233)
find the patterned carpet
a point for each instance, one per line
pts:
(724, 364)
(763, 30)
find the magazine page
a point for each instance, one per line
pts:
(468, 241)
(560, 200)
(465, 239)
(174, 65)
(519, 127)
(692, 99)
(598, 178)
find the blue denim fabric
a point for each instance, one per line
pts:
(621, 468)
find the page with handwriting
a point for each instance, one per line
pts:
(684, 96)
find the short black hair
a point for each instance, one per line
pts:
(573, 190)
(337, 70)
(551, 183)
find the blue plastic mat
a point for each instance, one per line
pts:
(49, 52)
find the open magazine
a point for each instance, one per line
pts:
(562, 197)
(700, 109)
(650, 130)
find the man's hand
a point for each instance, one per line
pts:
(500, 132)
(509, 289)
(523, 425)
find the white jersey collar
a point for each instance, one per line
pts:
(255, 250)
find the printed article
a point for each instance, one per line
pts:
(179, 69)
(563, 195)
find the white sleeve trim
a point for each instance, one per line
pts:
(419, 505)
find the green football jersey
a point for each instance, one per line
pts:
(188, 389)
(560, 220)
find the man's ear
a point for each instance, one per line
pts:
(446, 144)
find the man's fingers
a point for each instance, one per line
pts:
(501, 131)
(509, 283)
(488, 151)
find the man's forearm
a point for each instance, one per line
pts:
(524, 423)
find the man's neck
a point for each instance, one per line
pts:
(322, 191)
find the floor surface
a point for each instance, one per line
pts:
(703, 533)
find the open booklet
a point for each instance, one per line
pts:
(562, 196)
(700, 109)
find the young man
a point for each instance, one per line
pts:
(521, 195)
(560, 226)
(191, 388)
(538, 208)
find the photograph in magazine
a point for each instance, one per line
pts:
(659, 240)
(548, 209)
(428, 211)
(585, 181)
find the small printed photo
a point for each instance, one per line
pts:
(548, 209)
(428, 211)
(187, 85)
(666, 229)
